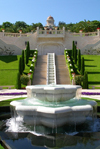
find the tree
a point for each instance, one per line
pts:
(79, 60)
(23, 61)
(75, 54)
(20, 24)
(27, 52)
(82, 66)
(73, 45)
(20, 66)
(6, 25)
(85, 81)
(18, 82)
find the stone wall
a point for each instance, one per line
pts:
(14, 45)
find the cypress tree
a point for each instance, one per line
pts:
(75, 54)
(20, 65)
(18, 82)
(26, 57)
(73, 45)
(79, 60)
(27, 52)
(23, 61)
(82, 66)
(85, 81)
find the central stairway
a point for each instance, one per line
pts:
(62, 72)
(40, 73)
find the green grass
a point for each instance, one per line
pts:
(98, 101)
(92, 66)
(8, 69)
(1, 147)
(7, 102)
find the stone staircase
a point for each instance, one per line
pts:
(62, 72)
(40, 73)
(51, 70)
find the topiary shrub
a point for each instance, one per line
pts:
(78, 80)
(24, 79)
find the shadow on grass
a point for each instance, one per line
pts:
(93, 72)
(88, 60)
(90, 65)
(8, 59)
(94, 82)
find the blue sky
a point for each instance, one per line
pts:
(34, 11)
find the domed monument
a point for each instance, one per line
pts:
(50, 21)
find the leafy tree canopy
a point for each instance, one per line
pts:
(86, 26)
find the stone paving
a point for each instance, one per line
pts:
(5, 97)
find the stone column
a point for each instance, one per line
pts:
(3, 31)
(37, 30)
(55, 30)
(98, 31)
(63, 30)
(80, 33)
(45, 30)
(20, 31)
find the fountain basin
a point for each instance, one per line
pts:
(53, 106)
(52, 92)
(54, 116)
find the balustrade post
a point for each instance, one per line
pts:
(37, 30)
(80, 33)
(63, 30)
(20, 31)
(98, 31)
(56, 30)
(45, 30)
(3, 31)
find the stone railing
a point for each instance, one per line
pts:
(15, 34)
(50, 33)
(51, 69)
(86, 34)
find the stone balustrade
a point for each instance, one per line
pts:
(15, 34)
(86, 34)
(50, 33)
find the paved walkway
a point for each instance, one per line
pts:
(5, 97)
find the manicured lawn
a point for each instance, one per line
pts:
(7, 102)
(8, 69)
(92, 66)
(98, 101)
(1, 147)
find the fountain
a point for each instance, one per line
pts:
(54, 106)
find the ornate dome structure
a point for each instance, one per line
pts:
(50, 21)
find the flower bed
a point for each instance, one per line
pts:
(20, 93)
(25, 93)
(90, 93)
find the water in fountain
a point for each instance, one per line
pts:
(51, 109)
